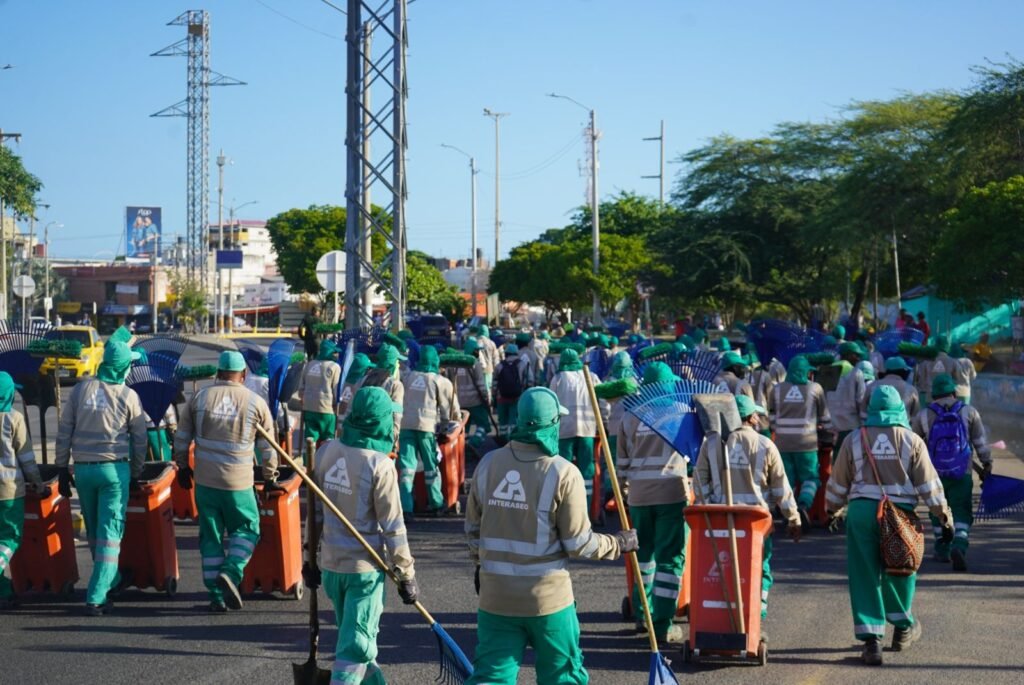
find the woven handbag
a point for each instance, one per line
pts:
(900, 531)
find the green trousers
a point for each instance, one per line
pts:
(159, 444)
(12, 523)
(959, 493)
(875, 596)
(606, 474)
(767, 579)
(318, 426)
(231, 519)
(580, 451)
(478, 426)
(507, 414)
(802, 470)
(358, 600)
(661, 532)
(502, 642)
(417, 450)
(103, 495)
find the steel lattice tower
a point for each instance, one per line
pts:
(375, 67)
(196, 107)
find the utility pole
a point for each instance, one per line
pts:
(46, 263)
(472, 215)
(661, 164)
(3, 237)
(497, 181)
(896, 264)
(221, 161)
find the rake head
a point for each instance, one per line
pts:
(455, 667)
(157, 386)
(279, 358)
(669, 410)
(1000, 497)
(888, 341)
(661, 672)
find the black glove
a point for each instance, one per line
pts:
(794, 530)
(476, 579)
(627, 540)
(270, 486)
(42, 489)
(409, 591)
(947, 533)
(311, 575)
(134, 485)
(986, 470)
(64, 483)
(185, 477)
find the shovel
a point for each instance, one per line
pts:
(310, 673)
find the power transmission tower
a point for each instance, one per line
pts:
(196, 107)
(661, 164)
(376, 72)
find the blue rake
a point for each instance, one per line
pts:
(888, 341)
(156, 385)
(253, 354)
(279, 357)
(455, 667)
(1000, 496)
(661, 671)
(670, 411)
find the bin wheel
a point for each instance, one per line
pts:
(762, 654)
(684, 652)
(67, 589)
(299, 590)
(627, 609)
(171, 586)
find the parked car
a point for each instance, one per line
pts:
(73, 368)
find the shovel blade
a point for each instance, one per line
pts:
(661, 672)
(310, 674)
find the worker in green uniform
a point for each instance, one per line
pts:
(222, 419)
(888, 447)
(103, 428)
(17, 467)
(578, 430)
(320, 380)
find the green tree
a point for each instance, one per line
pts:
(979, 260)
(190, 303)
(18, 187)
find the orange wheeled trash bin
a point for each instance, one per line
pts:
(149, 556)
(45, 561)
(452, 445)
(276, 563)
(183, 502)
(714, 625)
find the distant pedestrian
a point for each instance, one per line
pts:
(321, 379)
(307, 332)
(922, 325)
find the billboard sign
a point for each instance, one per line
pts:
(229, 259)
(143, 231)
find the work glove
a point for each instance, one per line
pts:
(794, 530)
(834, 519)
(271, 486)
(134, 485)
(476, 579)
(947, 533)
(311, 575)
(185, 477)
(41, 489)
(986, 470)
(409, 591)
(64, 482)
(627, 540)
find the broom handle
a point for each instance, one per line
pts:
(714, 550)
(623, 518)
(741, 618)
(312, 542)
(341, 517)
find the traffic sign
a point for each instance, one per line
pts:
(330, 271)
(24, 286)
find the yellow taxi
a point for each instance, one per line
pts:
(72, 368)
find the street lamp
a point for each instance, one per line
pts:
(231, 272)
(595, 210)
(219, 309)
(497, 116)
(472, 214)
(47, 302)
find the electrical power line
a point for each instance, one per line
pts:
(298, 23)
(331, 4)
(541, 166)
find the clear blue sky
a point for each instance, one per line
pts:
(83, 88)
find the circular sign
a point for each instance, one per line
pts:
(24, 286)
(330, 271)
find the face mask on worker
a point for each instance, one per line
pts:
(538, 418)
(799, 371)
(117, 361)
(622, 367)
(328, 351)
(430, 362)
(886, 408)
(369, 424)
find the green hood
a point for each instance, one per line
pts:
(430, 361)
(799, 371)
(942, 385)
(942, 343)
(7, 388)
(658, 372)
(471, 346)
(622, 367)
(569, 361)
(731, 359)
(839, 332)
(886, 408)
(360, 365)
(328, 351)
(387, 357)
(485, 331)
(369, 424)
(868, 370)
(522, 339)
(850, 349)
(117, 361)
(538, 415)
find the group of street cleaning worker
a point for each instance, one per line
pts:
(529, 505)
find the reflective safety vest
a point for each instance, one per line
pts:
(320, 381)
(795, 412)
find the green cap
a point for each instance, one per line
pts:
(522, 338)
(471, 346)
(942, 385)
(748, 407)
(839, 332)
(847, 349)
(328, 350)
(118, 354)
(511, 350)
(867, 369)
(896, 364)
(569, 360)
(731, 359)
(388, 356)
(942, 343)
(230, 360)
(405, 334)
(799, 370)
(485, 330)
(658, 372)
(539, 407)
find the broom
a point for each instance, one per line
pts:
(309, 673)
(660, 671)
(455, 667)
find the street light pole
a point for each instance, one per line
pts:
(219, 309)
(497, 180)
(3, 238)
(231, 272)
(46, 264)
(595, 205)
(472, 214)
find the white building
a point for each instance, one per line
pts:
(259, 261)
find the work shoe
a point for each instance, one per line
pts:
(218, 607)
(640, 627)
(232, 597)
(673, 634)
(125, 580)
(805, 520)
(96, 609)
(959, 558)
(902, 638)
(872, 654)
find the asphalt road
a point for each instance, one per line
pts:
(971, 622)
